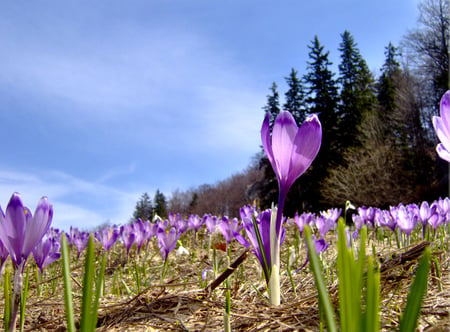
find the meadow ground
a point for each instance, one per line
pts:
(135, 299)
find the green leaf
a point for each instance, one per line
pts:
(416, 294)
(261, 247)
(23, 299)
(88, 282)
(320, 283)
(371, 318)
(99, 290)
(7, 297)
(67, 285)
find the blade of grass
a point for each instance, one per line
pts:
(98, 291)
(371, 317)
(67, 285)
(416, 294)
(7, 298)
(23, 299)
(88, 279)
(345, 266)
(261, 248)
(320, 283)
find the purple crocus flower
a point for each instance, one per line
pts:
(210, 222)
(163, 224)
(46, 252)
(228, 228)
(141, 233)
(173, 218)
(441, 125)
(20, 231)
(425, 213)
(443, 207)
(167, 240)
(435, 220)
(304, 219)
(195, 222)
(263, 221)
(108, 236)
(79, 239)
(320, 245)
(128, 235)
(406, 220)
(290, 150)
(367, 214)
(327, 220)
(181, 225)
(384, 218)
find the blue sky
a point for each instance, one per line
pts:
(104, 100)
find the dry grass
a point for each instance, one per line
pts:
(180, 304)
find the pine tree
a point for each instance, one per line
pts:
(144, 208)
(322, 95)
(322, 100)
(273, 104)
(357, 91)
(386, 88)
(160, 204)
(295, 98)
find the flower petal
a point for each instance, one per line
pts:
(283, 136)
(266, 139)
(443, 152)
(38, 225)
(306, 146)
(442, 131)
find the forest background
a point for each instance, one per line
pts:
(378, 146)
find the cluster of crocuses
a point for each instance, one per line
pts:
(402, 217)
(166, 231)
(406, 217)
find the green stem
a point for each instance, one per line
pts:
(67, 285)
(16, 297)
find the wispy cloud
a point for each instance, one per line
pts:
(76, 202)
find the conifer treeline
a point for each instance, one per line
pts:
(378, 145)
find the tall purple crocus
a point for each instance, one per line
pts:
(128, 235)
(425, 213)
(107, 236)
(47, 251)
(441, 125)
(290, 150)
(406, 220)
(228, 228)
(79, 239)
(167, 240)
(195, 222)
(302, 220)
(20, 233)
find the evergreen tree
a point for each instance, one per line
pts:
(144, 208)
(160, 204)
(357, 92)
(387, 88)
(295, 96)
(322, 100)
(273, 104)
(322, 95)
